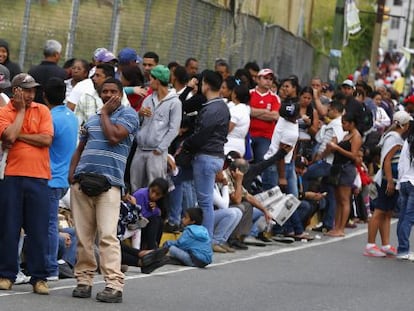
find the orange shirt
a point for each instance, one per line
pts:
(25, 159)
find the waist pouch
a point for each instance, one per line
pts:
(93, 184)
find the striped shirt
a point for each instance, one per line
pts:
(101, 157)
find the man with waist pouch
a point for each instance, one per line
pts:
(104, 144)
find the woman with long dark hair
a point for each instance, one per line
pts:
(346, 154)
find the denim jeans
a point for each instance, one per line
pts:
(24, 202)
(406, 219)
(181, 255)
(68, 254)
(225, 221)
(260, 145)
(205, 168)
(257, 214)
(292, 187)
(178, 198)
(55, 194)
(317, 170)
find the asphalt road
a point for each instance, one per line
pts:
(325, 274)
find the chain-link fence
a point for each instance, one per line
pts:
(174, 29)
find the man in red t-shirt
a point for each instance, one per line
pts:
(264, 113)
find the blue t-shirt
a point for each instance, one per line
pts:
(101, 157)
(65, 126)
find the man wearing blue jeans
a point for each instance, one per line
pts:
(207, 145)
(65, 126)
(323, 159)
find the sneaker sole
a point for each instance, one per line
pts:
(109, 300)
(373, 255)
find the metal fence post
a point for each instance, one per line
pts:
(25, 30)
(72, 29)
(146, 27)
(115, 26)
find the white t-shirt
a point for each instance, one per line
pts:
(240, 116)
(387, 142)
(83, 87)
(285, 132)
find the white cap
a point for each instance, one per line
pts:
(402, 117)
(349, 83)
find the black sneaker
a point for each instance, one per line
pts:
(65, 271)
(82, 291)
(321, 228)
(237, 244)
(171, 228)
(109, 295)
(155, 265)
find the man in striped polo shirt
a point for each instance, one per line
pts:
(103, 149)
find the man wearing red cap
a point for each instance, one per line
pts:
(264, 113)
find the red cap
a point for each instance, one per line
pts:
(409, 100)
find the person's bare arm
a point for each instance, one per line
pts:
(264, 114)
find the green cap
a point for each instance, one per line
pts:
(161, 73)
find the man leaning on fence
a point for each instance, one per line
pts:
(97, 177)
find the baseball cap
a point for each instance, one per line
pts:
(4, 77)
(127, 55)
(162, 73)
(99, 51)
(348, 83)
(25, 81)
(265, 72)
(289, 109)
(105, 56)
(409, 100)
(402, 117)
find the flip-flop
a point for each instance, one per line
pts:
(151, 257)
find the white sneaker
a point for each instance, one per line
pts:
(22, 278)
(52, 278)
(409, 256)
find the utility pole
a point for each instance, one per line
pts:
(375, 42)
(337, 42)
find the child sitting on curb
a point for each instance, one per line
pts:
(193, 248)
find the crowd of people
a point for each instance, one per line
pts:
(99, 158)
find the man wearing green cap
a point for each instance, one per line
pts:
(160, 122)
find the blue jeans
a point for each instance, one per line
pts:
(260, 145)
(225, 221)
(181, 255)
(55, 194)
(254, 231)
(179, 195)
(205, 168)
(68, 254)
(406, 219)
(24, 202)
(292, 179)
(317, 170)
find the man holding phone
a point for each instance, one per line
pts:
(26, 130)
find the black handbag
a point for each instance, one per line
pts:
(93, 184)
(183, 158)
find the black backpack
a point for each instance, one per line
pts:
(365, 120)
